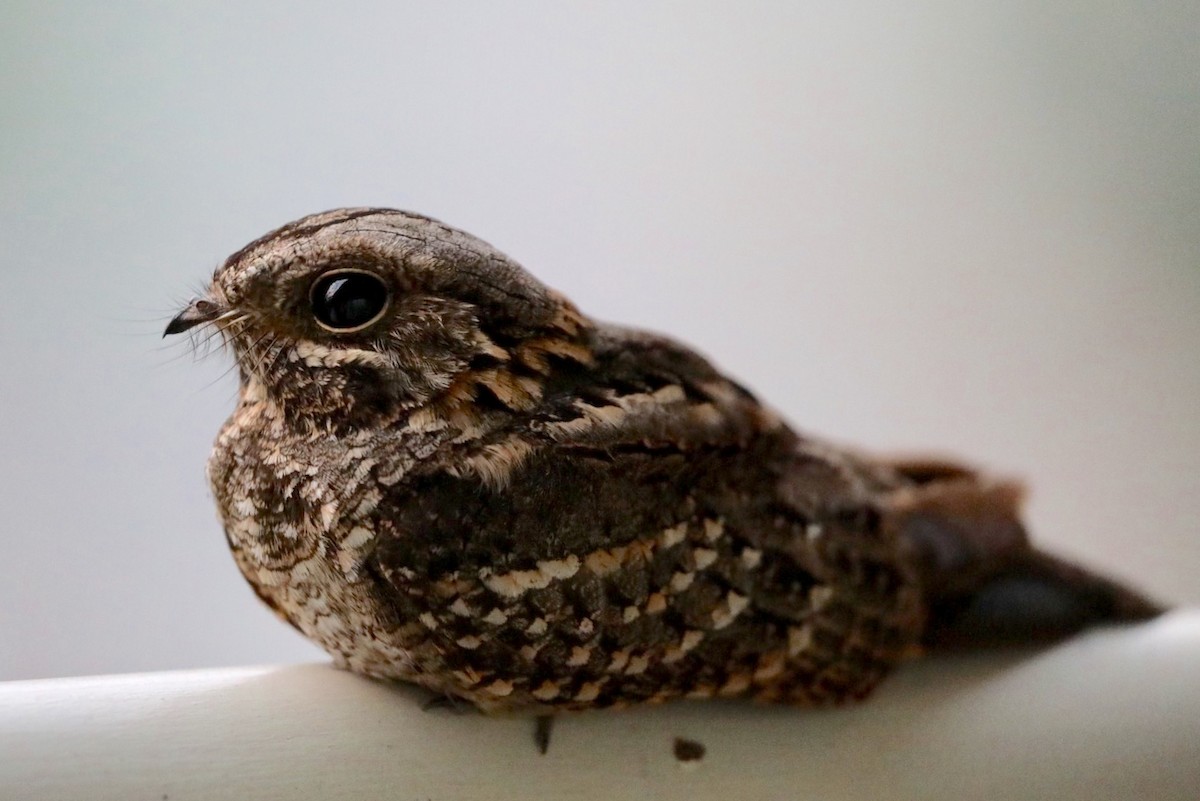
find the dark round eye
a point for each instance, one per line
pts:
(347, 301)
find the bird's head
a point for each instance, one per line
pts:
(353, 314)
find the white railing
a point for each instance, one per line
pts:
(1113, 714)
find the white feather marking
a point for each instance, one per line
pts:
(734, 605)
(820, 595)
(358, 537)
(690, 640)
(499, 688)
(637, 665)
(703, 557)
(681, 581)
(713, 529)
(516, 582)
(589, 691)
(316, 355)
(328, 515)
(674, 535)
(560, 568)
(496, 617)
(770, 665)
(603, 562)
(619, 660)
(751, 558)
(800, 639)
(737, 684)
(546, 691)
(672, 393)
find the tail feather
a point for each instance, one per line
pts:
(1038, 598)
(984, 584)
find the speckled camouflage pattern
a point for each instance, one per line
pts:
(493, 496)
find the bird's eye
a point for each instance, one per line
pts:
(346, 301)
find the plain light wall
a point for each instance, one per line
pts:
(966, 227)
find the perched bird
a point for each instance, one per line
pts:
(442, 472)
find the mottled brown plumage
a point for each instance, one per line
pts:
(442, 472)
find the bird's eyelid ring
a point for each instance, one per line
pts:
(198, 312)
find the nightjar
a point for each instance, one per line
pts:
(443, 472)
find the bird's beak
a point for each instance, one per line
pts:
(198, 312)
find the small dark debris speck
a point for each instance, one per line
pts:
(688, 750)
(541, 734)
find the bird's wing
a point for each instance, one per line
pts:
(639, 513)
(628, 445)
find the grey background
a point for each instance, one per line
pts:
(966, 227)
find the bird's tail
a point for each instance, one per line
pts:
(984, 583)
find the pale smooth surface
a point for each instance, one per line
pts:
(1111, 715)
(969, 227)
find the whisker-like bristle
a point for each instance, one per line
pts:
(215, 331)
(257, 352)
(222, 334)
(280, 353)
(225, 373)
(189, 346)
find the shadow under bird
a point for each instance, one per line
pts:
(442, 472)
